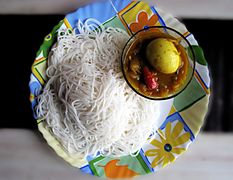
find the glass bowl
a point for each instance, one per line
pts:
(141, 72)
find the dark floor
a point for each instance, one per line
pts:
(21, 37)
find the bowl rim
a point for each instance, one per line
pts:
(193, 69)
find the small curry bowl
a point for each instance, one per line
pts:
(141, 67)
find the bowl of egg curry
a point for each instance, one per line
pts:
(158, 62)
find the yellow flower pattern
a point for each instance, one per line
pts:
(169, 144)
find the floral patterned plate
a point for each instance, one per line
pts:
(181, 117)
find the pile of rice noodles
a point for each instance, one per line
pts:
(86, 103)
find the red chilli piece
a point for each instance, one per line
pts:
(149, 79)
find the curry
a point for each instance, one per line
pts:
(156, 79)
